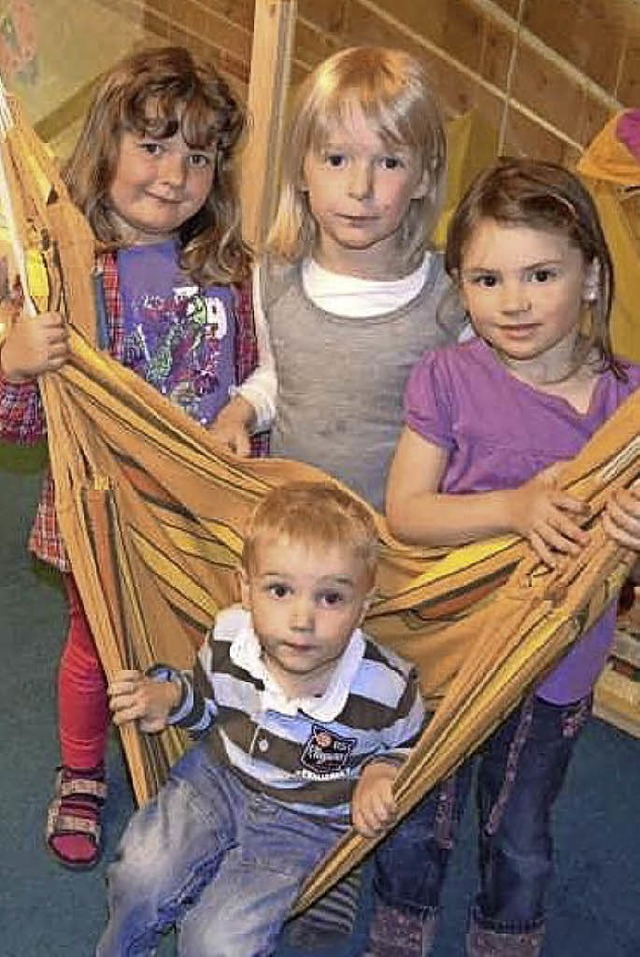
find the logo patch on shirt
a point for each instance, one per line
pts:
(326, 752)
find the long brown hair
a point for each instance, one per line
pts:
(188, 95)
(545, 196)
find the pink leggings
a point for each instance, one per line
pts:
(82, 691)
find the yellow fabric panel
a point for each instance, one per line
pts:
(472, 145)
(620, 218)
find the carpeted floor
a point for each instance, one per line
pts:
(46, 911)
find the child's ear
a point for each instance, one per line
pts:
(245, 591)
(591, 285)
(301, 179)
(366, 605)
(425, 187)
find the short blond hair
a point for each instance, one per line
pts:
(315, 515)
(392, 89)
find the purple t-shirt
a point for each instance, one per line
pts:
(500, 432)
(179, 337)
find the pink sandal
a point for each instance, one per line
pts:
(73, 830)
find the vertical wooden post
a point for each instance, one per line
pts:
(273, 32)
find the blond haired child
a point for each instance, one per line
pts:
(350, 291)
(301, 721)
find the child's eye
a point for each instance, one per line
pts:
(278, 590)
(331, 598)
(391, 162)
(335, 160)
(151, 147)
(543, 275)
(484, 280)
(199, 160)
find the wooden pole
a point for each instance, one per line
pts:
(273, 32)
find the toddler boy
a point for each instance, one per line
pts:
(302, 721)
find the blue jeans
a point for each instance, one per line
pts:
(410, 865)
(220, 861)
(521, 769)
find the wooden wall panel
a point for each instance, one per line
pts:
(496, 54)
(577, 62)
(328, 16)
(542, 87)
(579, 35)
(201, 23)
(311, 46)
(629, 82)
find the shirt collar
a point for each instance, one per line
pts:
(246, 653)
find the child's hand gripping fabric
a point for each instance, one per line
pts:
(621, 520)
(232, 424)
(135, 697)
(34, 346)
(548, 517)
(373, 806)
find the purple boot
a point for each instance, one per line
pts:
(395, 932)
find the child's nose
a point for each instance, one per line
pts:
(515, 297)
(360, 180)
(302, 614)
(173, 170)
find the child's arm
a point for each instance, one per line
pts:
(419, 514)
(233, 425)
(31, 346)
(253, 407)
(34, 346)
(135, 697)
(373, 806)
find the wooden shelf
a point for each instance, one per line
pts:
(617, 700)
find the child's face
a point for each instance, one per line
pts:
(359, 192)
(524, 289)
(158, 185)
(305, 604)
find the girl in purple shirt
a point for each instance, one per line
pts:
(488, 423)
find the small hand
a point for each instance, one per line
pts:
(35, 345)
(133, 696)
(621, 518)
(232, 424)
(373, 806)
(549, 517)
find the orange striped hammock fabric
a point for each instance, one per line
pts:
(152, 512)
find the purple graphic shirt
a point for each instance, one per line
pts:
(179, 337)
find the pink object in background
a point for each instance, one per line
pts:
(628, 131)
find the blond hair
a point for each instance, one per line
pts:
(315, 515)
(393, 91)
(184, 94)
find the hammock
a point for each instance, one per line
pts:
(152, 512)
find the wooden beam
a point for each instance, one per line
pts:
(67, 113)
(491, 10)
(573, 74)
(273, 32)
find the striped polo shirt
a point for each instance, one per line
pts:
(304, 752)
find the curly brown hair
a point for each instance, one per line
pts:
(189, 95)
